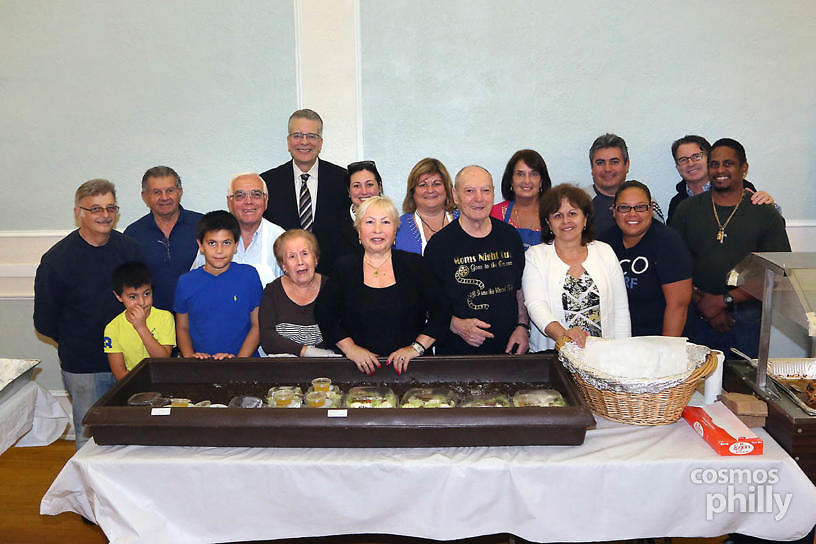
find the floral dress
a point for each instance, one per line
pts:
(582, 304)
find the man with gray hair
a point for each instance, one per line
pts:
(479, 261)
(247, 201)
(73, 295)
(167, 233)
(306, 192)
(609, 161)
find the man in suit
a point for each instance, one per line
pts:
(306, 192)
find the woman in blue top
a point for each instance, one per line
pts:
(524, 181)
(428, 205)
(657, 266)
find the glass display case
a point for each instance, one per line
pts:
(786, 285)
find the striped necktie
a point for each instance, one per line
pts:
(305, 206)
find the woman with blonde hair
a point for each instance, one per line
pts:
(384, 302)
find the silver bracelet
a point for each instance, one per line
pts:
(418, 347)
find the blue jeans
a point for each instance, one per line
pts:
(85, 390)
(744, 335)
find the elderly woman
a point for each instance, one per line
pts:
(428, 205)
(525, 179)
(573, 286)
(364, 182)
(655, 260)
(286, 316)
(376, 304)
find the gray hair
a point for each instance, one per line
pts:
(306, 113)
(94, 187)
(160, 172)
(606, 141)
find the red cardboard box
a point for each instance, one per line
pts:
(722, 430)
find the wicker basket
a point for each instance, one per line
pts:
(660, 408)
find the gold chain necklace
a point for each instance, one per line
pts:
(376, 268)
(721, 235)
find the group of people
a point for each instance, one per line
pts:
(312, 260)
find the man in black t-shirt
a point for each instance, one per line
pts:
(479, 261)
(720, 228)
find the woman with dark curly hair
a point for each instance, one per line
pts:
(573, 285)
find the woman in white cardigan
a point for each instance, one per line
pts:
(573, 286)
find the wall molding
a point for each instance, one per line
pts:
(20, 252)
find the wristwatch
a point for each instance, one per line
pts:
(729, 301)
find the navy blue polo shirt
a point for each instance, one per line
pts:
(167, 258)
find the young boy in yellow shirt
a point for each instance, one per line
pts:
(140, 331)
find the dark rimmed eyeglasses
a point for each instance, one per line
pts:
(623, 208)
(694, 157)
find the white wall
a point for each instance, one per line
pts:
(475, 80)
(111, 88)
(108, 89)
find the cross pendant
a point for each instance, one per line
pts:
(721, 236)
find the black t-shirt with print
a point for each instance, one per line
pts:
(480, 276)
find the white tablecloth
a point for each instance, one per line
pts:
(31, 417)
(624, 482)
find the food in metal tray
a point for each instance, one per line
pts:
(428, 397)
(542, 398)
(371, 397)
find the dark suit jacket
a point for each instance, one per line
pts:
(332, 201)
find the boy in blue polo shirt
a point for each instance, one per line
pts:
(217, 304)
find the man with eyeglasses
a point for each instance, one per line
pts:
(306, 192)
(690, 155)
(720, 228)
(73, 295)
(167, 233)
(247, 201)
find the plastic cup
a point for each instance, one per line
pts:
(321, 384)
(316, 399)
(283, 397)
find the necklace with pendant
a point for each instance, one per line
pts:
(428, 225)
(721, 235)
(376, 268)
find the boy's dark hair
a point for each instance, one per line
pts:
(131, 274)
(218, 220)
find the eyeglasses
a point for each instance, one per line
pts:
(97, 210)
(623, 208)
(694, 157)
(310, 136)
(240, 196)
